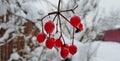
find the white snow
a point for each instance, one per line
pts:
(3, 8)
(37, 51)
(14, 56)
(107, 51)
(36, 9)
(99, 51)
(34, 40)
(34, 59)
(27, 49)
(6, 35)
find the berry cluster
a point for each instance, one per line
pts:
(52, 42)
(59, 43)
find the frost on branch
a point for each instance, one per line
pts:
(3, 8)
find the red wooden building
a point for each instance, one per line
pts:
(112, 35)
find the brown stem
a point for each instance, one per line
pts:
(57, 26)
(67, 10)
(65, 18)
(44, 17)
(42, 27)
(67, 29)
(75, 7)
(41, 53)
(73, 37)
(59, 5)
(54, 17)
(55, 12)
(61, 29)
(48, 15)
(63, 39)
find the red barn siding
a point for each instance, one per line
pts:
(112, 35)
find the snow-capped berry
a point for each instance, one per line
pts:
(75, 21)
(50, 43)
(64, 52)
(58, 43)
(72, 49)
(80, 26)
(49, 27)
(41, 37)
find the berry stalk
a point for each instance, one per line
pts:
(61, 29)
(73, 37)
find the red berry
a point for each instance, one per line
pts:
(66, 46)
(41, 37)
(50, 43)
(75, 21)
(58, 43)
(81, 27)
(49, 27)
(72, 49)
(64, 52)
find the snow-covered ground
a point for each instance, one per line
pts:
(107, 51)
(99, 51)
(96, 51)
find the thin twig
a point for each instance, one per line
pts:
(69, 9)
(73, 36)
(41, 53)
(54, 17)
(66, 10)
(42, 26)
(65, 18)
(43, 17)
(68, 29)
(61, 29)
(75, 7)
(57, 25)
(59, 5)
(55, 12)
